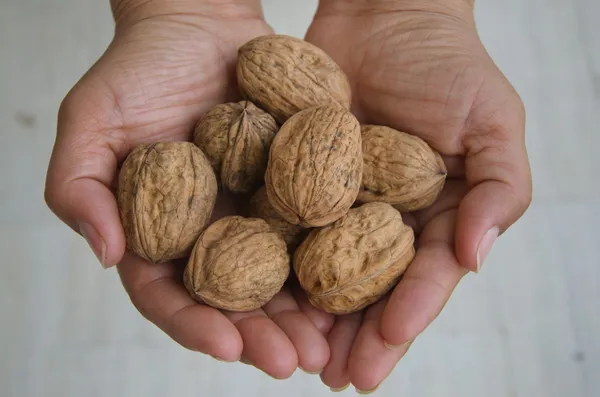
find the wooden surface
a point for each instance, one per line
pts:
(528, 326)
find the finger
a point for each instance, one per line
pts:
(498, 174)
(370, 361)
(82, 169)
(322, 320)
(266, 346)
(310, 344)
(340, 338)
(455, 166)
(426, 285)
(161, 298)
(450, 198)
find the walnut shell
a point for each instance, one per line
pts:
(315, 166)
(260, 207)
(400, 169)
(236, 138)
(353, 262)
(285, 75)
(238, 264)
(166, 194)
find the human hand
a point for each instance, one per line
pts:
(169, 62)
(420, 67)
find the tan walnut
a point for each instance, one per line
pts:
(353, 262)
(236, 138)
(260, 207)
(285, 75)
(315, 166)
(166, 194)
(238, 264)
(400, 169)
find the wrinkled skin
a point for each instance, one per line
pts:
(425, 71)
(164, 69)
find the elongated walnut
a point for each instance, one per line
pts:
(315, 166)
(236, 138)
(353, 262)
(285, 75)
(260, 207)
(238, 264)
(166, 194)
(400, 169)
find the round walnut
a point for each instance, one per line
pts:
(400, 169)
(238, 264)
(353, 262)
(315, 166)
(260, 207)
(166, 194)
(285, 75)
(236, 138)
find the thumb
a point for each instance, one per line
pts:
(499, 179)
(83, 167)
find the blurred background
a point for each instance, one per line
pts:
(528, 325)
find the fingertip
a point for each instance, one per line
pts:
(284, 366)
(370, 361)
(394, 332)
(90, 208)
(204, 329)
(230, 350)
(342, 335)
(363, 379)
(267, 347)
(482, 214)
(322, 321)
(311, 346)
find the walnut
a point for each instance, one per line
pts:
(400, 169)
(285, 75)
(260, 207)
(238, 264)
(166, 194)
(236, 138)
(353, 262)
(315, 166)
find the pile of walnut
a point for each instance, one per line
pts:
(327, 192)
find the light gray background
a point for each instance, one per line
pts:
(528, 326)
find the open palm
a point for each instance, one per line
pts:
(157, 78)
(428, 74)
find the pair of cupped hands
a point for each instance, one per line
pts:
(417, 66)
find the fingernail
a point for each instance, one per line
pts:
(95, 241)
(396, 347)
(367, 391)
(244, 360)
(218, 359)
(485, 245)
(309, 372)
(339, 389)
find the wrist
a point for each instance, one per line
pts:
(455, 8)
(126, 12)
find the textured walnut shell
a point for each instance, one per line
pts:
(353, 262)
(315, 166)
(260, 207)
(236, 138)
(166, 194)
(238, 264)
(400, 169)
(285, 75)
